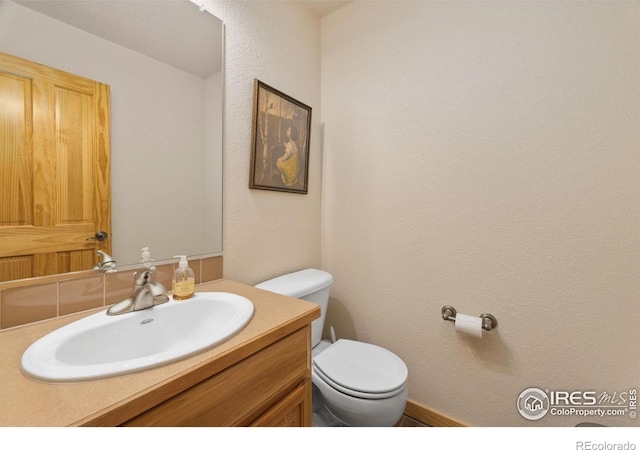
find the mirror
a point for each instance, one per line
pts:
(163, 61)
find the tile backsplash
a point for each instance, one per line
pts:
(27, 301)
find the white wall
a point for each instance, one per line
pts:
(485, 155)
(213, 117)
(268, 233)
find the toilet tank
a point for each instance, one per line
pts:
(312, 285)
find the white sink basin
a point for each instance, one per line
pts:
(100, 346)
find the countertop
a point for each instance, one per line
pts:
(109, 402)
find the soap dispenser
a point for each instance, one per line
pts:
(146, 260)
(184, 280)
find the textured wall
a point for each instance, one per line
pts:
(485, 155)
(267, 233)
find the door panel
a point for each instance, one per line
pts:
(15, 158)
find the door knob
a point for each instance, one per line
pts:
(99, 236)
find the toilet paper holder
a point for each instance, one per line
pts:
(489, 322)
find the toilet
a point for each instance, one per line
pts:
(355, 384)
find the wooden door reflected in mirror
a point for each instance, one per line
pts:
(54, 170)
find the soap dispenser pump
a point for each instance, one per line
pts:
(184, 280)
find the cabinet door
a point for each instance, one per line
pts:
(292, 411)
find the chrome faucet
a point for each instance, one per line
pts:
(106, 264)
(146, 294)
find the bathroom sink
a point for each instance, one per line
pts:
(100, 346)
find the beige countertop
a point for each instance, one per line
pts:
(109, 402)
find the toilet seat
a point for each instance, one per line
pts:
(361, 370)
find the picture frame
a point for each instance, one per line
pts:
(280, 141)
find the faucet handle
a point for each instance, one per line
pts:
(156, 288)
(142, 277)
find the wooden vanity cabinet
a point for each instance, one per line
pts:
(271, 387)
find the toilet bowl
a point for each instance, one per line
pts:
(359, 384)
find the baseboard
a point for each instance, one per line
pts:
(428, 416)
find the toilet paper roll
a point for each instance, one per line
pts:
(469, 325)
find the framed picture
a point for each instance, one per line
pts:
(280, 141)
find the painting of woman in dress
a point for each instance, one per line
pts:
(281, 134)
(288, 163)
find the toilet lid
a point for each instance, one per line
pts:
(361, 370)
